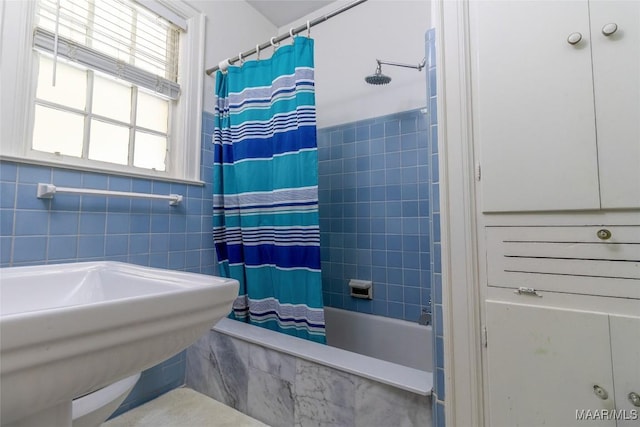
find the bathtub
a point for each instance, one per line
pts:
(390, 351)
(287, 381)
(393, 340)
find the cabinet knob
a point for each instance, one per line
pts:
(603, 234)
(574, 38)
(609, 29)
(600, 392)
(634, 398)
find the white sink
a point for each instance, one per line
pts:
(69, 329)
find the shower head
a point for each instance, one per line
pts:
(380, 79)
(377, 78)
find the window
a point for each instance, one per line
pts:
(124, 92)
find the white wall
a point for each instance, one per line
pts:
(232, 26)
(346, 48)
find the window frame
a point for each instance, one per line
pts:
(18, 85)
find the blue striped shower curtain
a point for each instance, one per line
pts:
(265, 185)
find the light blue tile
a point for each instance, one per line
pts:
(177, 242)
(394, 259)
(393, 192)
(66, 178)
(26, 198)
(410, 243)
(91, 246)
(348, 135)
(193, 241)
(391, 128)
(92, 223)
(29, 249)
(139, 259)
(160, 223)
(362, 133)
(364, 306)
(177, 260)
(393, 177)
(8, 172)
(95, 180)
(409, 191)
(440, 414)
(63, 223)
(31, 223)
(439, 362)
(94, 203)
(396, 310)
(377, 162)
(349, 151)
(392, 144)
(66, 202)
(440, 384)
(139, 243)
(116, 204)
(411, 276)
(7, 195)
(412, 311)
(5, 250)
(438, 321)
(393, 226)
(116, 245)
(379, 307)
(139, 223)
(437, 257)
(31, 174)
(62, 247)
(377, 146)
(411, 295)
(117, 223)
(159, 260)
(376, 130)
(119, 183)
(393, 209)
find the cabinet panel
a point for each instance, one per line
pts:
(534, 119)
(625, 352)
(565, 259)
(616, 72)
(543, 363)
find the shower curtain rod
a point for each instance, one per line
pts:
(291, 33)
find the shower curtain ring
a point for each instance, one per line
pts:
(274, 44)
(308, 29)
(291, 33)
(258, 51)
(240, 58)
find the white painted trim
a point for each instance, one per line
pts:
(460, 275)
(18, 87)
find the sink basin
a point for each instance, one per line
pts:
(69, 329)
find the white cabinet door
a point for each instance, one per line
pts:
(543, 364)
(616, 72)
(534, 119)
(625, 352)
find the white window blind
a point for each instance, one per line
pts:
(116, 37)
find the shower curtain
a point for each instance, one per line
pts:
(265, 185)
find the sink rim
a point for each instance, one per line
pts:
(168, 277)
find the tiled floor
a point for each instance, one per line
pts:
(183, 407)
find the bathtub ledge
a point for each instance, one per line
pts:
(402, 377)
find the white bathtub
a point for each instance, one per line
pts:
(393, 340)
(390, 351)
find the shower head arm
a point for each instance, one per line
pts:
(418, 67)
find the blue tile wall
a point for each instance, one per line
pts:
(435, 248)
(374, 205)
(72, 228)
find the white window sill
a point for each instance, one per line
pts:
(157, 176)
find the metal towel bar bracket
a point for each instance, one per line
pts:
(47, 191)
